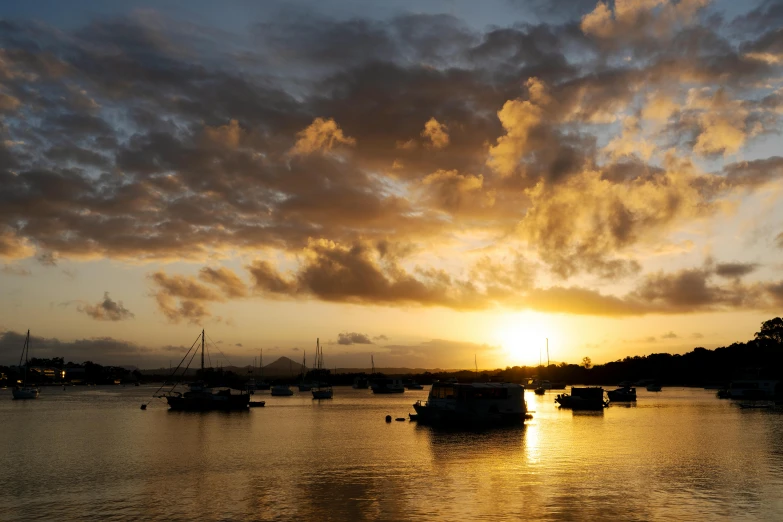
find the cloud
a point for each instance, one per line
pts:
(228, 282)
(182, 298)
(238, 345)
(102, 350)
(779, 240)
(353, 338)
(437, 133)
(15, 270)
(735, 270)
(106, 310)
(669, 335)
(12, 246)
(381, 337)
(321, 135)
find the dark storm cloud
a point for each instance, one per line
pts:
(106, 310)
(353, 338)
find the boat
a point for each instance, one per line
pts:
(361, 383)
(622, 394)
(583, 399)
(753, 389)
(25, 391)
(262, 385)
(478, 403)
(200, 396)
(204, 398)
(654, 387)
(413, 385)
(281, 390)
(383, 386)
(540, 390)
(323, 390)
(305, 386)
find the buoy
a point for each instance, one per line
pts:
(388, 418)
(143, 406)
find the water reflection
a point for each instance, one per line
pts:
(97, 456)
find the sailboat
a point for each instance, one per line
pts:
(25, 391)
(322, 390)
(304, 386)
(202, 397)
(262, 384)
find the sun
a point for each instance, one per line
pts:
(524, 338)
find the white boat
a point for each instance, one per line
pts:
(386, 386)
(25, 391)
(478, 403)
(281, 390)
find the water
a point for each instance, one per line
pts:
(91, 453)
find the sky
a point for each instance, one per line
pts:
(430, 183)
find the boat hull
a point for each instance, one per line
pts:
(203, 403)
(387, 391)
(322, 394)
(426, 414)
(25, 393)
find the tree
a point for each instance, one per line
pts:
(587, 363)
(771, 330)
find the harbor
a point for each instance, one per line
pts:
(94, 455)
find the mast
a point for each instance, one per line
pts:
(26, 352)
(547, 352)
(202, 353)
(261, 364)
(372, 362)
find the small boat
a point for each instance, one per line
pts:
(25, 391)
(540, 390)
(583, 399)
(654, 387)
(478, 403)
(281, 390)
(306, 386)
(413, 385)
(256, 404)
(361, 383)
(384, 386)
(321, 390)
(622, 394)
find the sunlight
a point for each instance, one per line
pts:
(523, 337)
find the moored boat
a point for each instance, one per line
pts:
(413, 385)
(583, 399)
(281, 390)
(385, 386)
(361, 383)
(322, 390)
(25, 391)
(200, 396)
(473, 404)
(654, 387)
(622, 394)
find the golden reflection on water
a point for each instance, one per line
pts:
(681, 454)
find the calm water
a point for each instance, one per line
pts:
(91, 453)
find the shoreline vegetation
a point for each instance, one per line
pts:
(759, 358)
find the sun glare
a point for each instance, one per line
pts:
(523, 338)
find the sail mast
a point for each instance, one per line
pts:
(26, 357)
(547, 352)
(202, 353)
